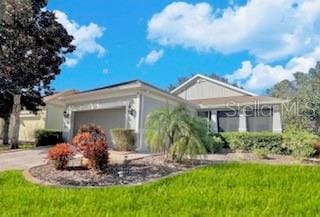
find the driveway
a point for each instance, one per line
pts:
(20, 160)
(24, 159)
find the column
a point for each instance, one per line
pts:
(276, 122)
(242, 121)
(214, 121)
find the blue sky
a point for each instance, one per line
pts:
(157, 41)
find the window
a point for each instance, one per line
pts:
(228, 121)
(259, 120)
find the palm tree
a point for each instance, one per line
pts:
(176, 132)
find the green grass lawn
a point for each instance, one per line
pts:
(21, 146)
(222, 190)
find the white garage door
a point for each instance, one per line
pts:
(106, 118)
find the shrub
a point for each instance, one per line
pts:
(124, 139)
(299, 142)
(60, 155)
(249, 141)
(46, 137)
(92, 143)
(261, 153)
(93, 129)
(176, 132)
(216, 145)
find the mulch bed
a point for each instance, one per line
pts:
(136, 172)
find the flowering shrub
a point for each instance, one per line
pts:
(96, 131)
(60, 155)
(91, 141)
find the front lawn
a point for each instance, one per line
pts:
(221, 190)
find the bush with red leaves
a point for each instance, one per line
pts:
(91, 141)
(60, 155)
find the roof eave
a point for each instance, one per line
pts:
(243, 104)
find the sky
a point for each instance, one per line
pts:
(254, 44)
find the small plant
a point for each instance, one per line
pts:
(261, 153)
(124, 139)
(92, 143)
(60, 155)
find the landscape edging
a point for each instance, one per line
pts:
(30, 178)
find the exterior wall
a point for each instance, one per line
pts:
(276, 122)
(203, 89)
(29, 123)
(108, 103)
(54, 117)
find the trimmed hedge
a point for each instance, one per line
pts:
(48, 137)
(250, 141)
(123, 139)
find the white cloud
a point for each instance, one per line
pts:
(71, 62)
(106, 71)
(85, 38)
(268, 29)
(262, 76)
(153, 57)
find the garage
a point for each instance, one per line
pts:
(106, 118)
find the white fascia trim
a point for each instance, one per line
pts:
(214, 81)
(241, 104)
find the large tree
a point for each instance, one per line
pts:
(5, 111)
(32, 48)
(303, 92)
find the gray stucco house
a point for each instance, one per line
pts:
(127, 105)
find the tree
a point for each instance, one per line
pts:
(33, 45)
(304, 95)
(5, 111)
(176, 132)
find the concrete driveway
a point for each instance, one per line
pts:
(20, 160)
(24, 159)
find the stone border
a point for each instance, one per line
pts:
(33, 180)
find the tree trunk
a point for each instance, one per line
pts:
(5, 139)
(15, 122)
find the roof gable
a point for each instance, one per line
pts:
(181, 88)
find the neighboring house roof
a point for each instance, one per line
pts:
(55, 98)
(237, 101)
(123, 86)
(223, 84)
